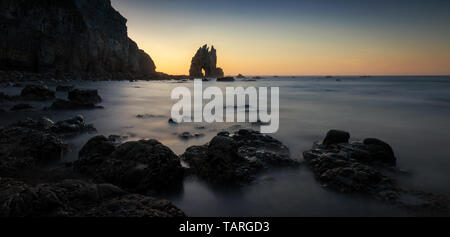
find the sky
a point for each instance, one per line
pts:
(295, 37)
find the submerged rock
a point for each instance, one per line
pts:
(141, 166)
(362, 168)
(188, 135)
(68, 127)
(72, 126)
(37, 92)
(75, 198)
(225, 79)
(64, 88)
(5, 97)
(237, 159)
(60, 104)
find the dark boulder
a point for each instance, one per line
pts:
(142, 166)
(75, 198)
(367, 168)
(21, 107)
(335, 137)
(237, 159)
(93, 154)
(37, 92)
(25, 148)
(84, 97)
(380, 150)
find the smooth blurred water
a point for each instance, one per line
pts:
(410, 113)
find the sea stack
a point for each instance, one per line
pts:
(205, 59)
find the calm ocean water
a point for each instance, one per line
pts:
(410, 113)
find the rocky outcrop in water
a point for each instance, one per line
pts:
(75, 198)
(37, 92)
(78, 99)
(207, 60)
(367, 167)
(73, 36)
(237, 159)
(142, 166)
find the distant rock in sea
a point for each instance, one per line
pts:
(206, 60)
(73, 36)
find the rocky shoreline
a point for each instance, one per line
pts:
(111, 175)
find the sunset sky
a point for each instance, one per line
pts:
(295, 37)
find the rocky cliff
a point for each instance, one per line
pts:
(71, 36)
(205, 59)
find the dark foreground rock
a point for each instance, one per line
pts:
(25, 148)
(364, 168)
(74, 198)
(142, 166)
(237, 159)
(37, 92)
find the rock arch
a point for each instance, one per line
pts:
(205, 59)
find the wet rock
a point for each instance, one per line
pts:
(225, 79)
(240, 76)
(25, 148)
(37, 92)
(64, 88)
(188, 135)
(42, 124)
(60, 104)
(362, 168)
(72, 126)
(68, 127)
(84, 97)
(237, 159)
(21, 107)
(335, 137)
(75, 198)
(149, 116)
(140, 166)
